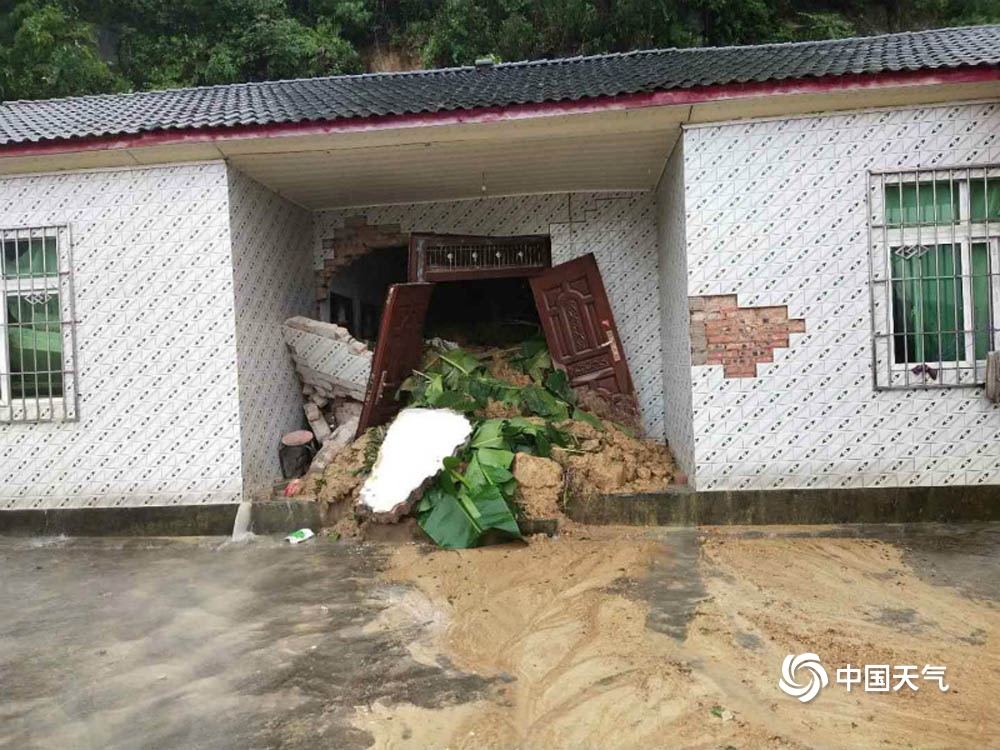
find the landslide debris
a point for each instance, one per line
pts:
(533, 444)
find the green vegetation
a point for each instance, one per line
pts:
(55, 48)
(473, 497)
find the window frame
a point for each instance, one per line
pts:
(965, 233)
(58, 281)
(967, 333)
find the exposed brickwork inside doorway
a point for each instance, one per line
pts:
(738, 338)
(356, 238)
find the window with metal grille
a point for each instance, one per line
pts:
(934, 239)
(443, 257)
(37, 374)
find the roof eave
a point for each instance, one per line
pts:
(683, 96)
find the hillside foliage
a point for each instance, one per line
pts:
(52, 48)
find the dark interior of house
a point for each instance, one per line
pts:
(474, 312)
(357, 292)
(482, 312)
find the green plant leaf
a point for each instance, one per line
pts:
(494, 511)
(489, 434)
(558, 382)
(540, 402)
(496, 474)
(446, 479)
(434, 390)
(543, 447)
(474, 475)
(509, 487)
(558, 437)
(520, 426)
(499, 457)
(449, 524)
(538, 365)
(456, 365)
(458, 522)
(455, 400)
(585, 416)
(470, 508)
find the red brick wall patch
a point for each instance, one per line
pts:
(738, 338)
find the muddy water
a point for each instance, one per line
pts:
(631, 640)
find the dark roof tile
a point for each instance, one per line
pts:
(567, 79)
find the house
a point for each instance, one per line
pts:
(800, 244)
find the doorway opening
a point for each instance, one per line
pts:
(482, 312)
(356, 293)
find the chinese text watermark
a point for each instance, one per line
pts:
(803, 676)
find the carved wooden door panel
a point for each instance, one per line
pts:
(398, 351)
(581, 333)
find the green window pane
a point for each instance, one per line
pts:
(34, 345)
(921, 203)
(927, 303)
(981, 318)
(984, 199)
(25, 258)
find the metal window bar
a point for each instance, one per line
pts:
(44, 387)
(904, 358)
(483, 256)
(487, 254)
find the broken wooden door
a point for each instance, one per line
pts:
(582, 336)
(398, 351)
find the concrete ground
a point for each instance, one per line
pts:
(604, 637)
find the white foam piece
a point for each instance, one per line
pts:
(414, 449)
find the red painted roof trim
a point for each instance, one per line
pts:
(694, 95)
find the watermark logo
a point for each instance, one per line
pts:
(803, 677)
(809, 667)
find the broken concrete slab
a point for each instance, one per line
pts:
(327, 358)
(412, 454)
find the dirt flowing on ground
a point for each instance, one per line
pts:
(626, 638)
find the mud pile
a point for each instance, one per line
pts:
(554, 448)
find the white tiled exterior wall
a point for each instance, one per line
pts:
(158, 411)
(619, 228)
(776, 213)
(181, 272)
(675, 330)
(272, 267)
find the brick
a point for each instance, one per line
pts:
(796, 325)
(357, 237)
(738, 338)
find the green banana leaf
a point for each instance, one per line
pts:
(460, 521)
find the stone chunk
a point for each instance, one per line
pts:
(317, 422)
(335, 443)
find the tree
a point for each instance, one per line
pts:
(61, 47)
(52, 54)
(459, 33)
(194, 42)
